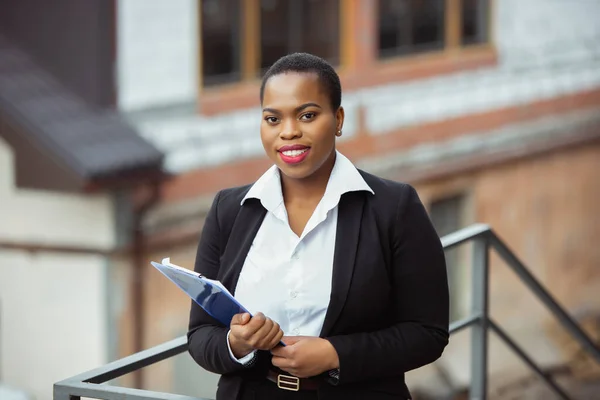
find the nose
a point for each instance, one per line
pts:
(290, 130)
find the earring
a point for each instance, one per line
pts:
(339, 133)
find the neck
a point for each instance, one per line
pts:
(309, 188)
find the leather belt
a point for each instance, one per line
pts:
(292, 383)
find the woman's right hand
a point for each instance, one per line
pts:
(256, 333)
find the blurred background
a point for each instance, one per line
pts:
(121, 119)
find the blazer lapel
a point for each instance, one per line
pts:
(350, 212)
(243, 231)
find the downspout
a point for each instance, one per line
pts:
(138, 240)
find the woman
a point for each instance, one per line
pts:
(342, 266)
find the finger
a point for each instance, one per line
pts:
(279, 351)
(269, 340)
(248, 330)
(291, 340)
(277, 339)
(286, 364)
(240, 319)
(257, 321)
(283, 351)
(260, 338)
(281, 362)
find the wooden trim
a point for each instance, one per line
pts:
(491, 12)
(229, 97)
(453, 23)
(367, 35)
(250, 39)
(200, 48)
(359, 65)
(402, 69)
(358, 34)
(348, 26)
(240, 95)
(434, 57)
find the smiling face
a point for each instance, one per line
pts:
(298, 126)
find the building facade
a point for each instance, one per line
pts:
(490, 108)
(69, 165)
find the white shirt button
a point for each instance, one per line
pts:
(293, 294)
(296, 331)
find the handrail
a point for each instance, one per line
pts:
(464, 235)
(134, 362)
(91, 383)
(519, 268)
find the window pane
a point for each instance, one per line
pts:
(289, 26)
(410, 26)
(446, 216)
(221, 24)
(474, 21)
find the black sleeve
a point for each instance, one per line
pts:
(421, 304)
(207, 339)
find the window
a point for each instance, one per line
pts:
(289, 26)
(410, 26)
(474, 27)
(220, 21)
(447, 216)
(241, 38)
(417, 26)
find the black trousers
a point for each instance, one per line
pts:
(267, 390)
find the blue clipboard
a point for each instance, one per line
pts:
(209, 294)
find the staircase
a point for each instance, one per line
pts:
(484, 239)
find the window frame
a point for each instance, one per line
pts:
(250, 45)
(452, 36)
(359, 65)
(459, 280)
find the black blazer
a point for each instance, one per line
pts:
(389, 305)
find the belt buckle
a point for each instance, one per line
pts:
(287, 382)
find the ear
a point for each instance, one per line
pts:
(339, 119)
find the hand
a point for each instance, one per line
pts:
(256, 333)
(305, 356)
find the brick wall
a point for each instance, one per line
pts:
(543, 207)
(545, 51)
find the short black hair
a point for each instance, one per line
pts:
(305, 62)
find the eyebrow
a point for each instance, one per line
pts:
(297, 109)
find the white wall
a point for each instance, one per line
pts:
(45, 217)
(53, 318)
(547, 49)
(157, 48)
(546, 32)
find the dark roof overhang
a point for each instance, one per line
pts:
(62, 143)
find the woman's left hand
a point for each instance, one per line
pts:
(305, 356)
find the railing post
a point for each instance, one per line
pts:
(61, 393)
(479, 307)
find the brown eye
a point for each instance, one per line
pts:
(308, 116)
(271, 120)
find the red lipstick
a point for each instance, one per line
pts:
(293, 154)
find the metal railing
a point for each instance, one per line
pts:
(91, 384)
